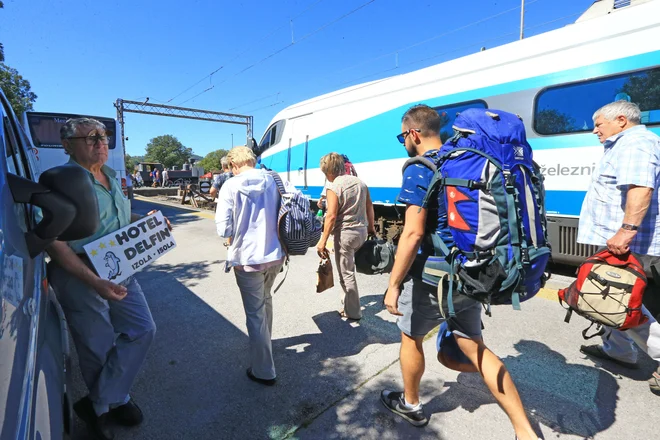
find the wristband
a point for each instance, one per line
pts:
(629, 227)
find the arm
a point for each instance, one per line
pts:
(411, 238)
(213, 193)
(224, 214)
(371, 229)
(330, 220)
(638, 200)
(64, 256)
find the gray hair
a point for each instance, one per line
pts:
(615, 109)
(70, 127)
(224, 162)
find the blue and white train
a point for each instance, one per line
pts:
(555, 81)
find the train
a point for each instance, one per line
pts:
(555, 81)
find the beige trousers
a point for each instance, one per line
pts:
(347, 241)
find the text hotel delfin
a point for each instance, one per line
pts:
(161, 234)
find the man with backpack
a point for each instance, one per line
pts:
(416, 303)
(621, 211)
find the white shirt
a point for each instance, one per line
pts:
(247, 211)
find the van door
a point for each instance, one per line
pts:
(20, 280)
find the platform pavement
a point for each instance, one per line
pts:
(330, 371)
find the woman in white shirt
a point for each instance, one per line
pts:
(246, 214)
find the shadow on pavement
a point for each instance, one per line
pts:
(193, 384)
(569, 398)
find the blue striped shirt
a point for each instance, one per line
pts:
(631, 157)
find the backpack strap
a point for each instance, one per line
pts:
(422, 160)
(278, 181)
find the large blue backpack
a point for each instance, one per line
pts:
(494, 196)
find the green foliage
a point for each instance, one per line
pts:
(551, 121)
(644, 90)
(2, 48)
(167, 150)
(211, 161)
(132, 162)
(16, 89)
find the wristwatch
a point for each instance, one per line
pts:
(629, 227)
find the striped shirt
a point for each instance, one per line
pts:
(631, 157)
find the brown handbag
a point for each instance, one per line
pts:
(324, 279)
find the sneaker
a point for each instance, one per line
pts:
(393, 400)
(598, 352)
(128, 414)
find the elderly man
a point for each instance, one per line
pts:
(620, 211)
(111, 324)
(220, 179)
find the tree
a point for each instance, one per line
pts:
(2, 48)
(131, 162)
(551, 121)
(17, 89)
(167, 150)
(644, 90)
(211, 161)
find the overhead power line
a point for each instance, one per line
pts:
(282, 49)
(271, 33)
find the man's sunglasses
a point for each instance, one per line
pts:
(402, 137)
(92, 140)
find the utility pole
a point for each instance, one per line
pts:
(232, 140)
(522, 19)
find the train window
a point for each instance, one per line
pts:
(271, 137)
(448, 114)
(569, 108)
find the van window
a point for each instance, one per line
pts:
(45, 129)
(448, 114)
(569, 108)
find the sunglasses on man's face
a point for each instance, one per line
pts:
(402, 137)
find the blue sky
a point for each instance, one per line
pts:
(81, 55)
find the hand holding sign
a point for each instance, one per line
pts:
(169, 225)
(120, 254)
(110, 291)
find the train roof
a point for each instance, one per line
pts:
(601, 20)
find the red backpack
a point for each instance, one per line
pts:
(608, 291)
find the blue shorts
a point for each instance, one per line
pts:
(419, 305)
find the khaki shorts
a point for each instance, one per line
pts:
(421, 314)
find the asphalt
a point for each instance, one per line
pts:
(330, 371)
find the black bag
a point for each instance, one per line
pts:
(376, 256)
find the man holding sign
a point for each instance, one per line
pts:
(110, 322)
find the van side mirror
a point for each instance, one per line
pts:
(68, 205)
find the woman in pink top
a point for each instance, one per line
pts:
(350, 216)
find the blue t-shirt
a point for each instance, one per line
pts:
(416, 180)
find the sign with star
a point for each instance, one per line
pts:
(120, 254)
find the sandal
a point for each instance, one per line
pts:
(654, 382)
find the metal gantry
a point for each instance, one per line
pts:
(147, 108)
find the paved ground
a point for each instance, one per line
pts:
(330, 372)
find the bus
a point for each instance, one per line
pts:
(555, 81)
(43, 130)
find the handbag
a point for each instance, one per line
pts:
(324, 279)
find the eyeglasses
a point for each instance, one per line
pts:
(92, 140)
(402, 137)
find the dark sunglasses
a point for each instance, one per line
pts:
(402, 137)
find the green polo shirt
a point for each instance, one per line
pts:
(114, 208)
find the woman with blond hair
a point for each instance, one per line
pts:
(246, 214)
(349, 217)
